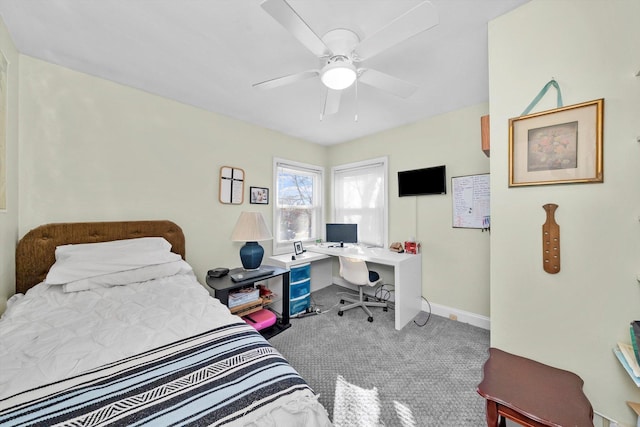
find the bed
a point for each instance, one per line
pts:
(109, 326)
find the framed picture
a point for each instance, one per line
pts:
(259, 195)
(297, 247)
(559, 146)
(231, 185)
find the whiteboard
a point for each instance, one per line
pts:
(471, 201)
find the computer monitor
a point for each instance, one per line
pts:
(345, 233)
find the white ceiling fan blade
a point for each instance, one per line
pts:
(285, 80)
(292, 22)
(331, 102)
(401, 88)
(419, 19)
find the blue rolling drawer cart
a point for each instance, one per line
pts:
(300, 289)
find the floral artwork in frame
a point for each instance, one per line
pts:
(558, 146)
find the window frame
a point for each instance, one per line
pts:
(282, 247)
(364, 164)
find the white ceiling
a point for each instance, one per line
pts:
(208, 53)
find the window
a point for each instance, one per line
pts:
(298, 204)
(360, 197)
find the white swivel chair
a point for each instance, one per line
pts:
(355, 271)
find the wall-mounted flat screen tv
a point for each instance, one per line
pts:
(418, 182)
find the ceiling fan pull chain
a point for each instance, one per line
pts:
(355, 119)
(323, 110)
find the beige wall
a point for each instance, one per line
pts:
(9, 217)
(573, 319)
(94, 150)
(455, 262)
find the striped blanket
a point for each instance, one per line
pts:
(214, 378)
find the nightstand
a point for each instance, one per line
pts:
(222, 286)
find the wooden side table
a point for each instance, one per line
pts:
(532, 394)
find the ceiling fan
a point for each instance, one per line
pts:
(341, 52)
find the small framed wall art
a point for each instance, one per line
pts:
(231, 185)
(558, 146)
(259, 195)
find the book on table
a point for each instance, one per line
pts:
(624, 353)
(627, 352)
(243, 296)
(634, 330)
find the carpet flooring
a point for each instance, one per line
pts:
(369, 374)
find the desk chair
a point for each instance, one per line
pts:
(356, 272)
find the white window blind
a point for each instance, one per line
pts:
(360, 197)
(297, 204)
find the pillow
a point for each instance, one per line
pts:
(70, 268)
(103, 249)
(127, 277)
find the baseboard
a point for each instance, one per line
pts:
(437, 309)
(459, 315)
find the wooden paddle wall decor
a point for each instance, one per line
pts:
(550, 241)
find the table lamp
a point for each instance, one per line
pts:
(251, 228)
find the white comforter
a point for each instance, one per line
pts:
(47, 335)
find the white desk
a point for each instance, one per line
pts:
(407, 275)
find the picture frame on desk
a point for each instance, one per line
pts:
(297, 248)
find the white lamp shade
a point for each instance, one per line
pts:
(251, 227)
(338, 75)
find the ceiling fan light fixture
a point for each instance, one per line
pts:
(338, 75)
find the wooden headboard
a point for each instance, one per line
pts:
(35, 253)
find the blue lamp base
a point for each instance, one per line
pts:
(251, 255)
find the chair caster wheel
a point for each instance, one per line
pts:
(385, 309)
(341, 301)
(366, 298)
(340, 313)
(370, 319)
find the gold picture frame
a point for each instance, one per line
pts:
(559, 146)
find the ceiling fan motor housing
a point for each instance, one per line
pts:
(341, 42)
